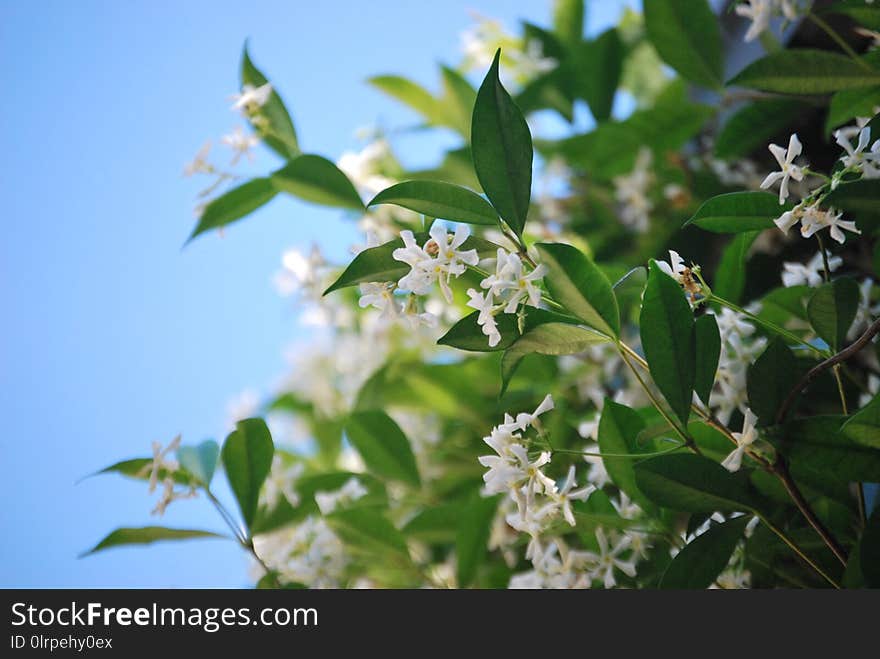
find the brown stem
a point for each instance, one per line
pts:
(820, 368)
(780, 468)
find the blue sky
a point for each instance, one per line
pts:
(116, 336)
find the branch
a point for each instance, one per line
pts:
(820, 368)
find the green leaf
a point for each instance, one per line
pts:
(551, 338)
(707, 340)
(473, 537)
(832, 310)
(619, 427)
(378, 263)
(437, 524)
(409, 93)
(667, 330)
(281, 135)
(860, 198)
(439, 200)
(869, 550)
(691, 483)
(466, 334)
(803, 71)
(234, 205)
(247, 457)
(201, 460)
(368, 531)
(459, 97)
(752, 127)
(848, 104)
(770, 379)
(738, 212)
(867, 15)
(687, 38)
(145, 536)
(704, 557)
(383, 446)
(316, 179)
(864, 426)
(580, 286)
(502, 150)
(598, 64)
(629, 288)
(819, 452)
(730, 276)
(568, 20)
(139, 469)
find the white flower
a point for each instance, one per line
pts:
(439, 260)
(170, 494)
(351, 491)
(682, 274)
(486, 318)
(743, 439)
(280, 483)
(873, 390)
(251, 98)
(200, 164)
(524, 419)
(241, 144)
(759, 12)
(609, 558)
(866, 311)
(161, 463)
(814, 219)
(867, 162)
(809, 274)
(565, 494)
(788, 170)
(379, 295)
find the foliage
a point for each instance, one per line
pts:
(688, 425)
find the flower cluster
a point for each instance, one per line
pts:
(684, 275)
(162, 469)
(739, 348)
(504, 292)
(524, 59)
(761, 12)
(809, 212)
(631, 192)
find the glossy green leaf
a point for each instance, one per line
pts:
(580, 286)
(409, 93)
(869, 550)
(568, 21)
(619, 427)
(730, 276)
(819, 452)
(147, 535)
(803, 71)
(234, 205)
(598, 64)
(704, 557)
(754, 126)
(864, 426)
(687, 37)
(859, 199)
(738, 212)
(848, 104)
(200, 460)
(383, 446)
(691, 483)
(378, 263)
(281, 135)
(439, 200)
(551, 338)
(247, 457)
(502, 150)
(832, 310)
(667, 330)
(770, 379)
(473, 537)
(466, 334)
(707, 340)
(368, 531)
(316, 179)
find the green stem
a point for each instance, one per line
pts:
(840, 41)
(797, 550)
(773, 327)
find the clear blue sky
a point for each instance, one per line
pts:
(113, 336)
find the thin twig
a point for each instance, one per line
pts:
(820, 368)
